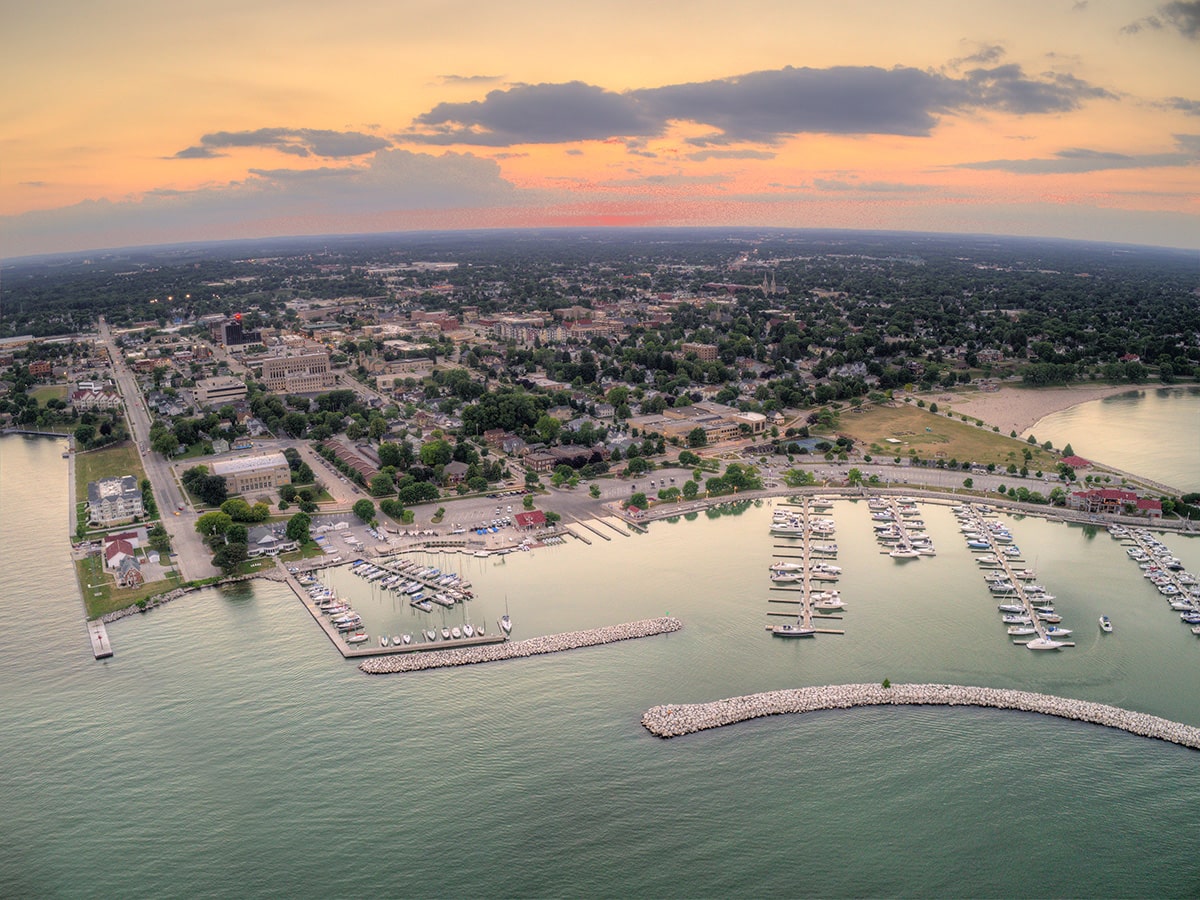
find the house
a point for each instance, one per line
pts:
(455, 472)
(129, 572)
(541, 461)
(265, 541)
(1076, 462)
(115, 551)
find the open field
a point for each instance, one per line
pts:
(102, 595)
(49, 392)
(935, 436)
(121, 459)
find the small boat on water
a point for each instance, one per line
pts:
(479, 629)
(1021, 630)
(468, 630)
(405, 638)
(430, 635)
(356, 638)
(445, 633)
(1055, 632)
(384, 640)
(1105, 623)
(505, 624)
(456, 632)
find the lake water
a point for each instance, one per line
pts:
(1153, 432)
(228, 751)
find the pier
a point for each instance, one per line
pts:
(687, 718)
(1015, 584)
(810, 570)
(457, 655)
(1178, 587)
(98, 635)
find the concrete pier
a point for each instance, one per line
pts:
(98, 635)
(551, 643)
(680, 719)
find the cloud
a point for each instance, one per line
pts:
(471, 79)
(1077, 160)
(870, 187)
(1182, 15)
(537, 114)
(384, 194)
(760, 107)
(293, 141)
(984, 55)
(702, 155)
(1181, 104)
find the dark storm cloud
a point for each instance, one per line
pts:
(760, 107)
(1077, 160)
(293, 141)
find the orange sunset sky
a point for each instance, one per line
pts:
(128, 122)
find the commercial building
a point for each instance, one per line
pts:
(264, 472)
(113, 500)
(219, 390)
(704, 352)
(302, 373)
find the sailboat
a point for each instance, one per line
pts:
(505, 622)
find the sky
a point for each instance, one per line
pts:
(132, 122)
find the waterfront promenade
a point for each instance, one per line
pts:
(674, 720)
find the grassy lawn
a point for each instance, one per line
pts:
(49, 392)
(104, 596)
(936, 436)
(311, 550)
(121, 459)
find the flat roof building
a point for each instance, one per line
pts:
(220, 390)
(264, 472)
(303, 373)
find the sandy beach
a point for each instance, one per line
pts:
(1018, 408)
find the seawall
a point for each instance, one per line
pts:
(675, 720)
(550, 643)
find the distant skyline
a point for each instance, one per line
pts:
(128, 123)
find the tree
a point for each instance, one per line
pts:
(690, 489)
(639, 500)
(165, 443)
(213, 523)
(697, 438)
(84, 434)
(688, 458)
(381, 486)
(297, 527)
(237, 534)
(854, 477)
(436, 453)
(968, 483)
(231, 556)
(527, 503)
(365, 509)
(594, 492)
(1067, 451)
(159, 539)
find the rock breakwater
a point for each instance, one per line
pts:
(675, 720)
(551, 643)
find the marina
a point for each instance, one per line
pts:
(798, 521)
(1164, 571)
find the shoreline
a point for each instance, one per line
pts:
(1019, 409)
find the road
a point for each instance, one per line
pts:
(192, 558)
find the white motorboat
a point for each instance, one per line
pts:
(829, 602)
(1017, 630)
(787, 567)
(786, 577)
(384, 640)
(468, 630)
(456, 632)
(356, 638)
(904, 551)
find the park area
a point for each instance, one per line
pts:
(890, 431)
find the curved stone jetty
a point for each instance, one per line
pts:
(676, 720)
(550, 643)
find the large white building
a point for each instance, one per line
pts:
(302, 373)
(264, 472)
(113, 500)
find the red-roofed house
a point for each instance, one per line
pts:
(115, 551)
(1076, 462)
(530, 520)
